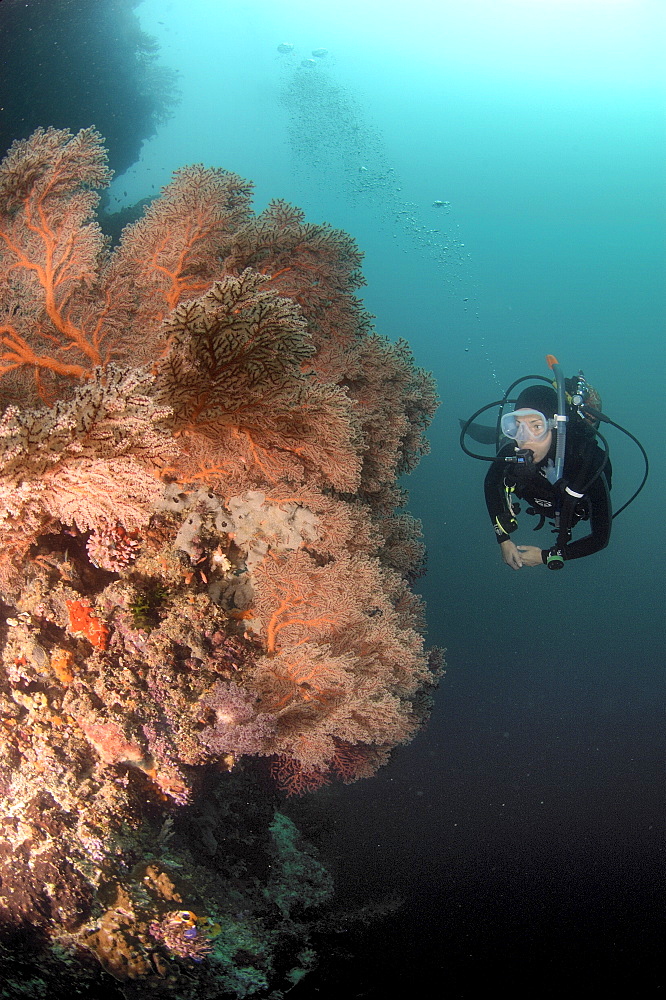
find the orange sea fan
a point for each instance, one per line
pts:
(234, 375)
(217, 350)
(173, 252)
(50, 329)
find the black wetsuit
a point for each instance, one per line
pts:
(583, 457)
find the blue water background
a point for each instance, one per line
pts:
(524, 828)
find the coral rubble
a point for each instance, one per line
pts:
(204, 570)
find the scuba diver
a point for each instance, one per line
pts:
(530, 429)
(550, 458)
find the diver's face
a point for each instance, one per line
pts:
(530, 428)
(531, 425)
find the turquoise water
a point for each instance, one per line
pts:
(523, 829)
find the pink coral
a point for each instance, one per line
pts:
(238, 726)
(113, 548)
(51, 255)
(215, 349)
(74, 315)
(208, 405)
(293, 778)
(349, 763)
(110, 742)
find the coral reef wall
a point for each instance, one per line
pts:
(73, 62)
(205, 561)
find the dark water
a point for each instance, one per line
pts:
(524, 829)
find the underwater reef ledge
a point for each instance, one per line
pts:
(205, 571)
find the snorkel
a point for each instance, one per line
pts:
(555, 557)
(560, 416)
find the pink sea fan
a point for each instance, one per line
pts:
(239, 727)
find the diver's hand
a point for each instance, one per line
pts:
(511, 554)
(517, 556)
(530, 555)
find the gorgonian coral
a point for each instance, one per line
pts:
(203, 556)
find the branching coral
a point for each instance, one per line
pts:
(234, 377)
(172, 254)
(50, 255)
(204, 562)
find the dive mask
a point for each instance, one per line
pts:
(532, 426)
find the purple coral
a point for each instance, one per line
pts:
(239, 727)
